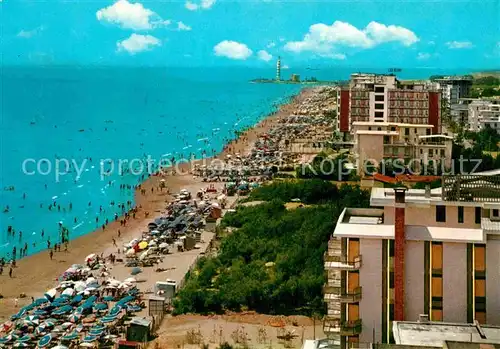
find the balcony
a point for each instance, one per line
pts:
(351, 328)
(342, 262)
(337, 293)
(331, 324)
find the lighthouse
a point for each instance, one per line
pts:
(278, 69)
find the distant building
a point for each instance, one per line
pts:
(455, 87)
(483, 113)
(433, 252)
(295, 78)
(379, 141)
(382, 98)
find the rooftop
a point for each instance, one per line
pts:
(436, 333)
(368, 223)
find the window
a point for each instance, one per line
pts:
(431, 152)
(369, 128)
(379, 89)
(393, 128)
(379, 128)
(407, 131)
(480, 304)
(495, 212)
(477, 215)
(460, 214)
(442, 153)
(386, 140)
(428, 132)
(379, 114)
(440, 213)
(415, 131)
(379, 98)
(379, 106)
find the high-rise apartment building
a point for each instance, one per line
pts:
(455, 87)
(382, 98)
(433, 252)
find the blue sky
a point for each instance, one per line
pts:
(363, 33)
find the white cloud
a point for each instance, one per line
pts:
(431, 42)
(323, 38)
(459, 44)
(232, 50)
(130, 16)
(26, 34)
(264, 55)
(137, 43)
(271, 44)
(423, 56)
(191, 6)
(181, 26)
(203, 5)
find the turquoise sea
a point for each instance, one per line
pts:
(88, 114)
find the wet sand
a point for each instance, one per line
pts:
(36, 274)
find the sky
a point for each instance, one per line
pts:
(354, 33)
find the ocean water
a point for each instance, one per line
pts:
(84, 115)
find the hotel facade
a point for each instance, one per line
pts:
(382, 98)
(433, 253)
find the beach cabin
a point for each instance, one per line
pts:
(139, 330)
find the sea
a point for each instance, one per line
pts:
(74, 139)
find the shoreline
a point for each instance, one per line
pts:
(37, 273)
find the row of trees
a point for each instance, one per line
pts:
(273, 262)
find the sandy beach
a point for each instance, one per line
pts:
(35, 274)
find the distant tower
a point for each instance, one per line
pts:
(278, 69)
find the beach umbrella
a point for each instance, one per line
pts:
(60, 347)
(108, 319)
(125, 299)
(74, 317)
(70, 337)
(100, 306)
(109, 298)
(163, 245)
(130, 280)
(110, 337)
(91, 281)
(77, 299)
(89, 339)
(40, 312)
(130, 252)
(50, 294)
(45, 341)
(85, 344)
(66, 325)
(68, 292)
(134, 308)
(143, 245)
(40, 301)
(79, 286)
(25, 338)
(136, 271)
(90, 257)
(4, 340)
(143, 255)
(20, 345)
(96, 332)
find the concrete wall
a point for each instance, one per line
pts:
(426, 216)
(369, 147)
(370, 279)
(414, 275)
(454, 282)
(493, 282)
